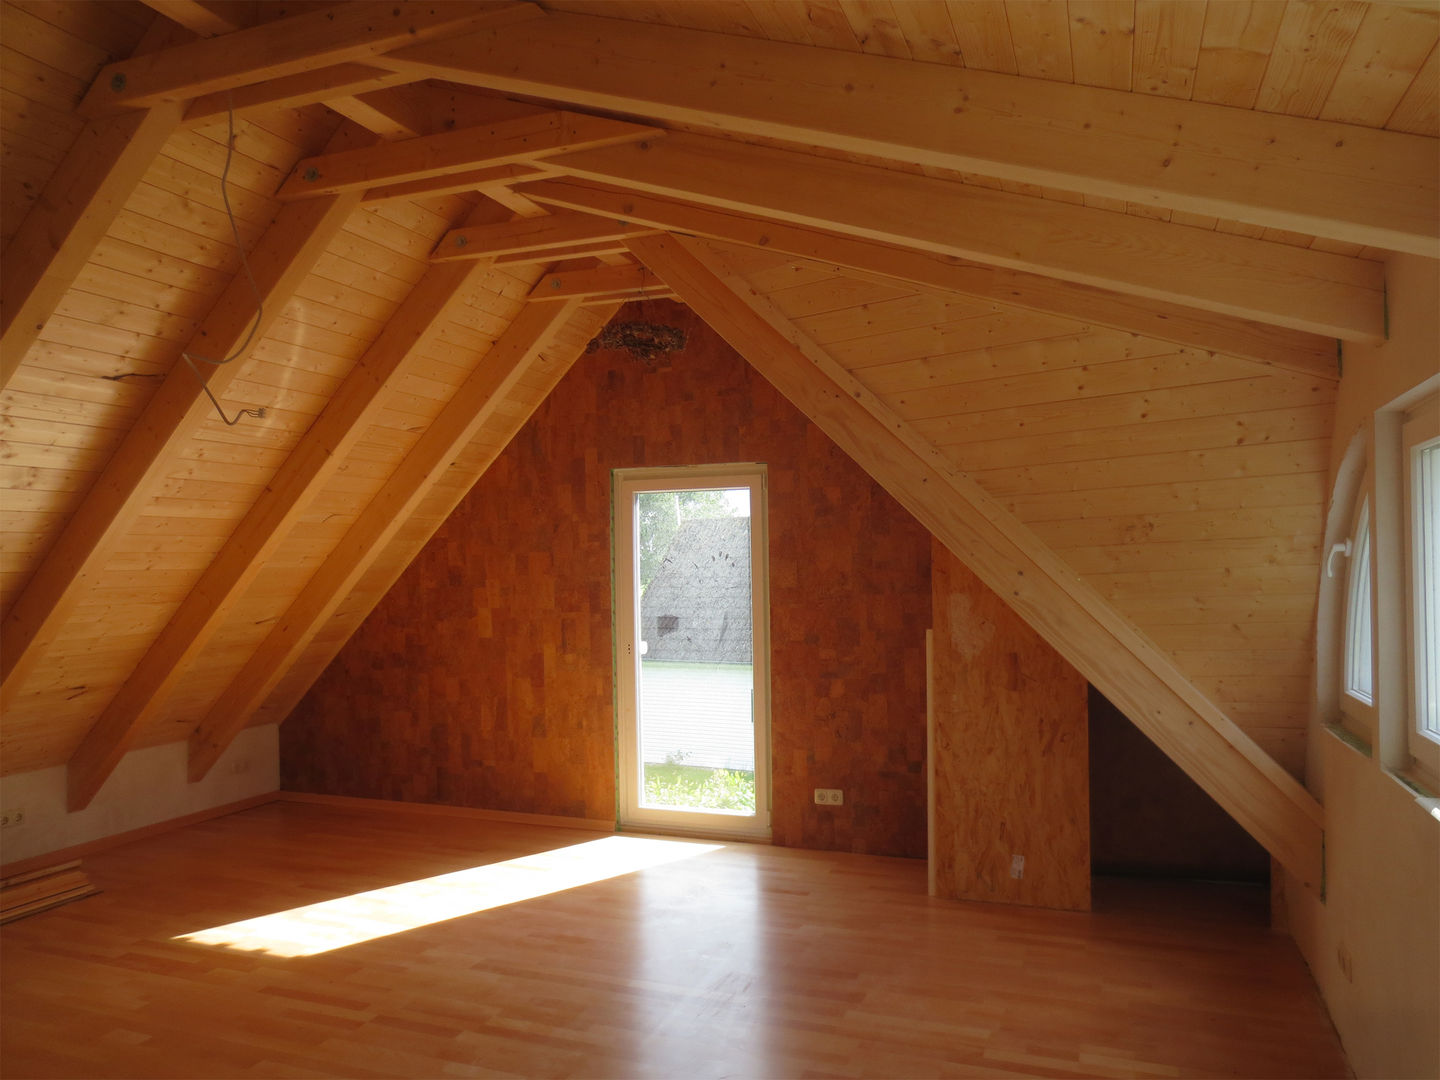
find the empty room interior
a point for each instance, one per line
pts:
(725, 538)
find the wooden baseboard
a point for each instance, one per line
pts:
(441, 810)
(105, 843)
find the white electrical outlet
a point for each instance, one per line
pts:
(1017, 866)
(11, 818)
(829, 797)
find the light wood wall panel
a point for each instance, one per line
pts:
(1185, 486)
(1011, 760)
(484, 677)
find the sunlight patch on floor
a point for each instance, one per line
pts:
(350, 920)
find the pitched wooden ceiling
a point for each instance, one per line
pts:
(1081, 321)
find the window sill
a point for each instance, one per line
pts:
(1349, 738)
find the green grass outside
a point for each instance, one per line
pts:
(692, 787)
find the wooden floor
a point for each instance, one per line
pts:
(737, 961)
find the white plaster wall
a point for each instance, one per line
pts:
(147, 787)
(1374, 943)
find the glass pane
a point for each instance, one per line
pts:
(696, 676)
(1426, 523)
(1359, 660)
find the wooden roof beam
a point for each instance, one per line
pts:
(1342, 181)
(1295, 350)
(340, 34)
(603, 282)
(304, 474)
(505, 364)
(533, 235)
(408, 544)
(1313, 291)
(1131, 671)
(280, 261)
(521, 139)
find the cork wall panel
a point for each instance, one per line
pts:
(485, 677)
(1011, 770)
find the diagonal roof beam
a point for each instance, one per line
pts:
(408, 544)
(1269, 282)
(1335, 180)
(1295, 350)
(340, 34)
(523, 138)
(1011, 560)
(505, 364)
(280, 262)
(304, 474)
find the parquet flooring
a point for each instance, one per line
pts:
(720, 961)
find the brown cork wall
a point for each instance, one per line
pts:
(485, 677)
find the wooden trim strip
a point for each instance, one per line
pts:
(352, 802)
(106, 843)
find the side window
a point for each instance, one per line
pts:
(1421, 440)
(1357, 662)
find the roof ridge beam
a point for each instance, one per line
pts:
(502, 366)
(1364, 185)
(1129, 669)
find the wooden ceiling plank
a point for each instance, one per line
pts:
(1033, 580)
(506, 142)
(70, 218)
(334, 35)
(287, 496)
(1308, 353)
(532, 235)
(279, 262)
(1253, 279)
(1315, 177)
(506, 363)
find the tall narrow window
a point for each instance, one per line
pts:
(1359, 659)
(691, 649)
(1421, 440)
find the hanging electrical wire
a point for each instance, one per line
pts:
(259, 413)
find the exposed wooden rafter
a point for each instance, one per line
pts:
(1310, 354)
(279, 262)
(555, 231)
(1341, 181)
(1011, 560)
(1268, 282)
(506, 142)
(302, 477)
(344, 33)
(479, 396)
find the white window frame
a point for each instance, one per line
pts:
(1420, 428)
(626, 484)
(1358, 709)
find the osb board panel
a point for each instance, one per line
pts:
(1148, 819)
(1011, 770)
(484, 677)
